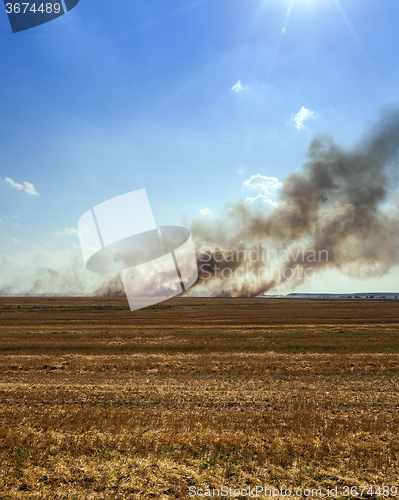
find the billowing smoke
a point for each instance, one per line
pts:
(340, 211)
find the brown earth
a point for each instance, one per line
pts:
(100, 402)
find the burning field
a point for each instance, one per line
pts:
(198, 396)
(97, 402)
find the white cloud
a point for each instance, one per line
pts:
(268, 187)
(17, 241)
(1, 220)
(265, 184)
(27, 187)
(266, 200)
(70, 231)
(205, 211)
(237, 87)
(302, 115)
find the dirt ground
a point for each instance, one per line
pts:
(190, 396)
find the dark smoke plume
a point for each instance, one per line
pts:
(340, 211)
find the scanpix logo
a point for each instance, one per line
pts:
(26, 15)
(120, 235)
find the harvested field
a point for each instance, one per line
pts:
(98, 402)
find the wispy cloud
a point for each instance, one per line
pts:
(205, 211)
(237, 87)
(27, 187)
(268, 187)
(302, 115)
(17, 241)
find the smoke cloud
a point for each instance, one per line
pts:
(340, 211)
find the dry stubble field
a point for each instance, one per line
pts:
(98, 402)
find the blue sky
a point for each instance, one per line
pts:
(117, 96)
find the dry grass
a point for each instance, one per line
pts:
(103, 403)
